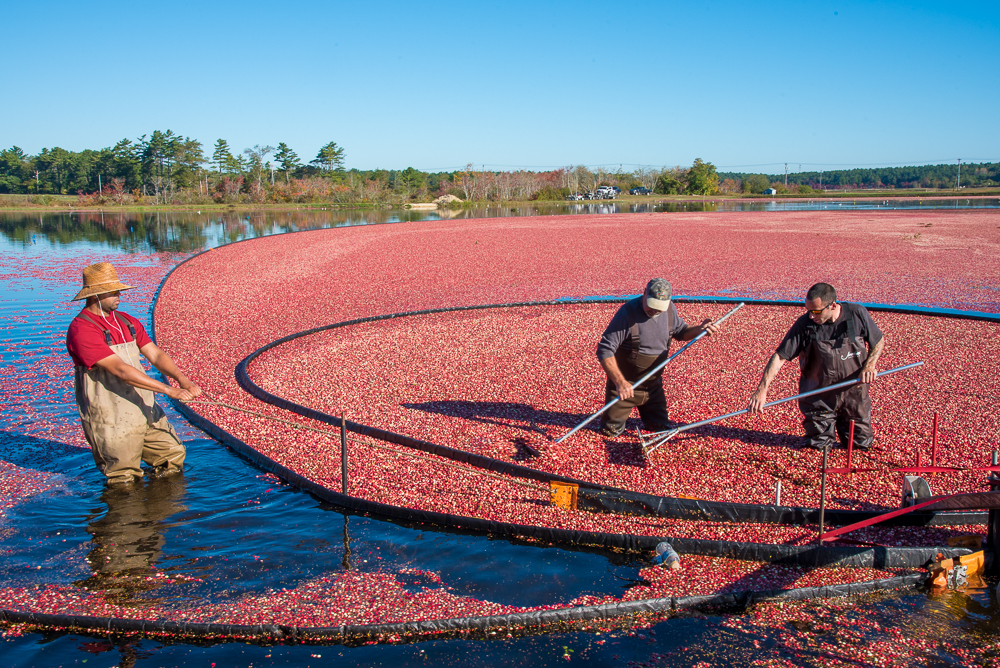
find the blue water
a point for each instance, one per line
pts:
(225, 529)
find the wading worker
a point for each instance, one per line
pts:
(636, 340)
(834, 341)
(121, 421)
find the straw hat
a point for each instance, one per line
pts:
(98, 279)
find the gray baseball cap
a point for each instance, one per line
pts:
(658, 294)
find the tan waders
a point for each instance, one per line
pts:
(827, 363)
(649, 397)
(123, 424)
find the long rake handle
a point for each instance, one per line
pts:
(847, 383)
(646, 377)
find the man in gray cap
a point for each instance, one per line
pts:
(636, 340)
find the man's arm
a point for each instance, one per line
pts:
(166, 366)
(688, 333)
(759, 398)
(118, 368)
(625, 390)
(870, 368)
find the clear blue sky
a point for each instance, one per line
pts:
(434, 85)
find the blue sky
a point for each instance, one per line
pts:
(747, 86)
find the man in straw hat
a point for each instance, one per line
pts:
(121, 421)
(636, 340)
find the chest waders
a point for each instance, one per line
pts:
(123, 424)
(649, 397)
(824, 363)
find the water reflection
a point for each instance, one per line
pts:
(127, 540)
(193, 230)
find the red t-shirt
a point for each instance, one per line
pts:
(85, 340)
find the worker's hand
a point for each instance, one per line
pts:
(757, 400)
(709, 326)
(868, 374)
(180, 394)
(625, 390)
(192, 389)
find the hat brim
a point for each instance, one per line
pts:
(100, 290)
(657, 304)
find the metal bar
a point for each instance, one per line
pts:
(649, 375)
(777, 494)
(830, 535)
(934, 441)
(850, 446)
(667, 435)
(343, 454)
(822, 494)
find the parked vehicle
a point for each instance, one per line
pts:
(606, 192)
(574, 197)
(640, 191)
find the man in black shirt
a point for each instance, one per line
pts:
(834, 341)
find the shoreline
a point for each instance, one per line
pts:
(429, 206)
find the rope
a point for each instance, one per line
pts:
(214, 402)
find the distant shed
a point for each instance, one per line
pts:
(770, 191)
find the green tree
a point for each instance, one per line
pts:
(287, 158)
(702, 178)
(222, 157)
(13, 170)
(755, 183)
(666, 184)
(330, 159)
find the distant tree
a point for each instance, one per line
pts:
(702, 178)
(255, 162)
(755, 184)
(729, 187)
(330, 159)
(668, 184)
(13, 170)
(287, 158)
(222, 158)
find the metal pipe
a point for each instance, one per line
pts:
(934, 441)
(649, 375)
(777, 494)
(850, 447)
(822, 494)
(667, 435)
(343, 454)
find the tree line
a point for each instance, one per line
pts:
(923, 176)
(167, 168)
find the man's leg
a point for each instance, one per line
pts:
(855, 404)
(162, 449)
(613, 419)
(818, 420)
(654, 410)
(116, 453)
